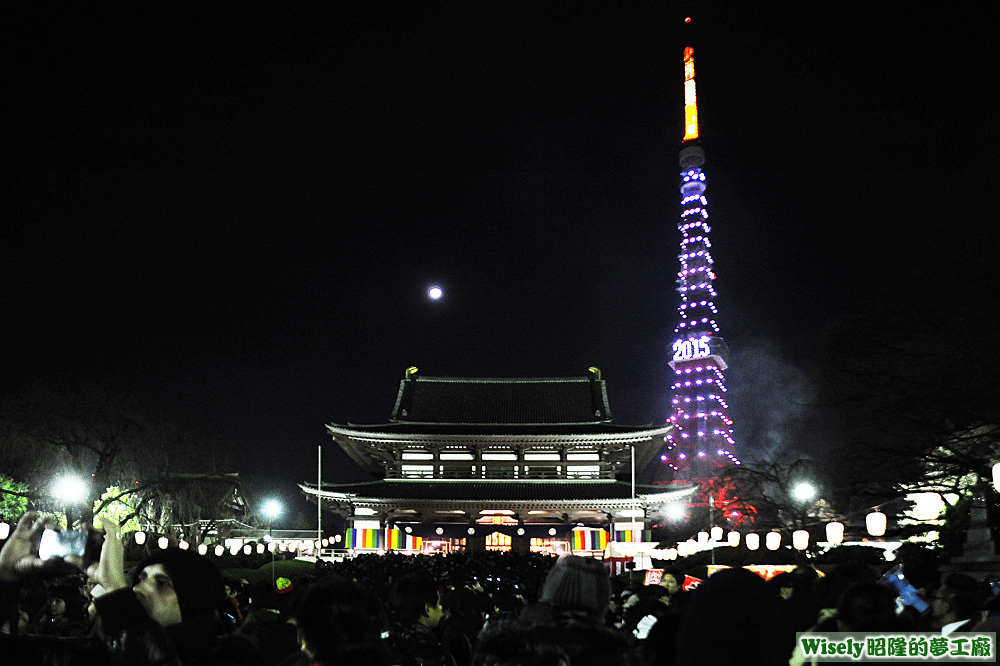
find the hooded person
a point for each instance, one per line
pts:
(565, 627)
(168, 615)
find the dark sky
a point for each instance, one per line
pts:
(235, 218)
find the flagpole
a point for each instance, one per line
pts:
(319, 500)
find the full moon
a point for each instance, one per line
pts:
(435, 293)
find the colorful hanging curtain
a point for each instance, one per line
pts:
(400, 540)
(363, 538)
(633, 536)
(589, 539)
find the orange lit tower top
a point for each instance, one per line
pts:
(690, 97)
(701, 442)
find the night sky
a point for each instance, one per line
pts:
(236, 218)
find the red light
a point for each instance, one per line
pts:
(687, 19)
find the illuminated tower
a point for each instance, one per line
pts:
(702, 438)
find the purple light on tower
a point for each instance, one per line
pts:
(699, 411)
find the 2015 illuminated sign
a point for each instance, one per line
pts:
(686, 350)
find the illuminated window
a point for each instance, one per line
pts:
(541, 456)
(583, 471)
(417, 455)
(497, 541)
(582, 456)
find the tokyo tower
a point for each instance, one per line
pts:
(701, 442)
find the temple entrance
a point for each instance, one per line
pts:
(498, 541)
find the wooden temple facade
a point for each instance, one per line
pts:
(498, 463)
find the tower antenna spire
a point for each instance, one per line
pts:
(690, 97)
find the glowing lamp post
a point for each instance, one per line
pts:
(804, 491)
(72, 491)
(272, 509)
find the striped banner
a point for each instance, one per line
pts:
(633, 536)
(589, 540)
(400, 540)
(363, 538)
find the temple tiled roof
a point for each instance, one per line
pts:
(502, 401)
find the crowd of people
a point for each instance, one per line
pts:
(485, 609)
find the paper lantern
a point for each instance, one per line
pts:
(233, 550)
(140, 538)
(716, 533)
(219, 550)
(876, 523)
(163, 542)
(800, 539)
(773, 540)
(734, 538)
(202, 549)
(703, 538)
(753, 541)
(835, 532)
(183, 545)
(247, 549)
(4, 531)
(260, 549)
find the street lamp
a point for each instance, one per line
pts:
(272, 509)
(72, 490)
(804, 491)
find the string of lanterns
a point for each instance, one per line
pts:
(875, 522)
(289, 546)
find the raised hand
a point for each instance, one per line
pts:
(19, 556)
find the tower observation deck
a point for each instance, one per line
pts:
(701, 442)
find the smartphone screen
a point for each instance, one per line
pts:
(908, 594)
(62, 543)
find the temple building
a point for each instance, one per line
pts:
(498, 463)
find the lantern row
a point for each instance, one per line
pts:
(875, 522)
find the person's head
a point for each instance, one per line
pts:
(783, 585)
(417, 599)
(339, 622)
(175, 586)
(57, 606)
(756, 631)
(578, 584)
(959, 598)
(867, 607)
(672, 580)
